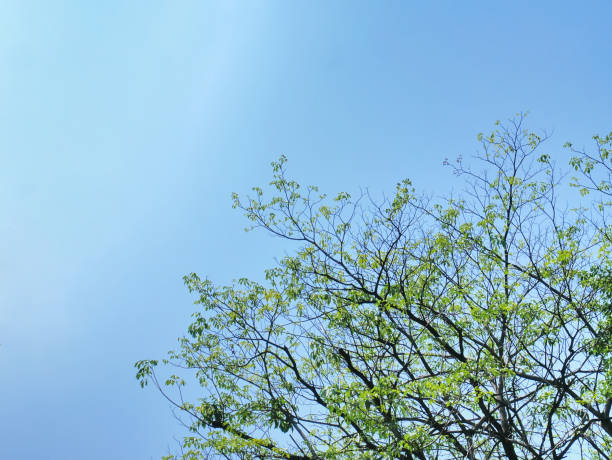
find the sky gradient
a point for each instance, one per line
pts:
(125, 126)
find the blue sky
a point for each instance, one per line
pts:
(125, 126)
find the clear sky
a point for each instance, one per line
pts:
(125, 126)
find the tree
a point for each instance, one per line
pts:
(473, 327)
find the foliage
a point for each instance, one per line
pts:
(476, 327)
